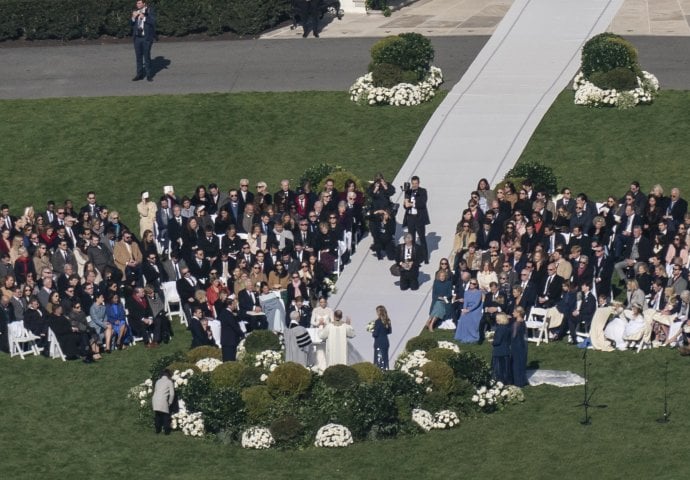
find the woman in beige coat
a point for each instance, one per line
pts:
(147, 214)
(162, 400)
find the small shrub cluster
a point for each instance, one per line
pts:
(541, 175)
(421, 342)
(206, 351)
(340, 377)
(402, 58)
(316, 173)
(261, 340)
(607, 51)
(289, 379)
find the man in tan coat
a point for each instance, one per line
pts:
(127, 255)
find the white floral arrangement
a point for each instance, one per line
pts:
(489, 396)
(259, 438)
(333, 435)
(446, 419)
(449, 345)
(241, 350)
(411, 363)
(403, 94)
(268, 360)
(208, 364)
(190, 423)
(142, 392)
(512, 394)
(588, 94)
(181, 378)
(329, 285)
(316, 369)
(370, 326)
(424, 419)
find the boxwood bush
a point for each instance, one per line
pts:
(206, 351)
(260, 340)
(607, 51)
(289, 378)
(411, 52)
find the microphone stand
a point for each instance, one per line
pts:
(667, 414)
(587, 420)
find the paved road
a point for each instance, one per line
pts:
(255, 65)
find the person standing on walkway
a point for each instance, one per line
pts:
(416, 215)
(309, 12)
(162, 400)
(143, 31)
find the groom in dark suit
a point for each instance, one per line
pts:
(143, 31)
(416, 215)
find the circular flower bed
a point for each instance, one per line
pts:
(364, 92)
(588, 94)
(333, 435)
(259, 438)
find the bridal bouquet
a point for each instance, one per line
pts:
(424, 419)
(257, 437)
(268, 360)
(181, 378)
(445, 419)
(449, 345)
(208, 364)
(370, 326)
(333, 435)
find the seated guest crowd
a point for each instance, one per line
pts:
(519, 248)
(97, 284)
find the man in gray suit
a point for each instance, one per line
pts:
(62, 256)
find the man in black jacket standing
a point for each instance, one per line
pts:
(143, 31)
(416, 215)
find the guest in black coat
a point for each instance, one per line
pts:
(584, 314)
(68, 338)
(250, 308)
(518, 349)
(302, 309)
(382, 228)
(230, 331)
(416, 215)
(408, 259)
(500, 356)
(201, 332)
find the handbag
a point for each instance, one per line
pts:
(395, 270)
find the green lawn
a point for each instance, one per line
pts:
(61, 148)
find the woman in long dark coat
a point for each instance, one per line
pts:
(518, 348)
(382, 328)
(500, 356)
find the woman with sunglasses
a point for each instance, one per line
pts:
(442, 297)
(471, 314)
(464, 236)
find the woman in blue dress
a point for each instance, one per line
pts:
(468, 324)
(441, 295)
(115, 313)
(500, 355)
(382, 328)
(518, 348)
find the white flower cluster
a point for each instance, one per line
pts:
(402, 94)
(180, 378)
(259, 438)
(241, 350)
(424, 419)
(190, 423)
(333, 435)
(588, 94)
(489, 396)
(370, 326)
(511, 393)
(446, 419)
(411, 363)
(268, 360)
(316, 369)
(449, 345)
(142, 392)
(208, 364)
(330, 285)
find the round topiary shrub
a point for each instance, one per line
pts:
(229, 374)
(619, 78)
(251, 375)
(182, 366)
(163, 362)
(340, 377)
(440, 354)
(471, 367)
(290, 379)
(367, 372)
(541, 175)
(440, 375)
(260, 340)
(607, 51)
(286, 430)
(206, 351)
(408, 51)
(435, 400)
(257, 401)
(421, 342)
(387, 75)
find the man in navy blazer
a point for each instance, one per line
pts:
(584, 314)
(143, 31)
(416, 215)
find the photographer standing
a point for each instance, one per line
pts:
(416, 214)
(379, 193)
(143, 31)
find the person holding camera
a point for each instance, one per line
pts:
(416, 214)
(382, 228)
(379, 193)
(143, 31)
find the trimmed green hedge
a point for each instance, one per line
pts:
(72, 19)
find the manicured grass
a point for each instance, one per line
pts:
(73, 420)
(61, 148)
(600, 151)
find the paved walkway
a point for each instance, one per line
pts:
(479, 130)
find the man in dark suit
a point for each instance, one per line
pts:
(250, 308)
(141, 318)
(552, 239)
(210, 244)
(216, 199)
(416, 215)
(494, 302)
(244, 195)
(566, 201)
(309, 12)
(224, 265)
(186, 288)
(153, 271)
(91, 207)
(602, 270)
(585, 211)
(143, 31)
(638, 250)
(551, 289)
(529, 291)
(230, 331)
(302, 309)
(163, 216)
(284, 197)
(176, 228)
(677, 208)
(7, 220)
(584, 314)
(199, 266)
(408, 256)
(173, 267)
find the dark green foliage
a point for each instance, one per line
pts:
(340, 377)
(339, 178)
(421, 342)
(229, 374)
(316, 173)
(368, 372)
(160, 363)
(541, 175)
(71, 19)
(440, 375)
(289, 379)
(261, 340)
(223, 409)
(409, 51)
(182, 366)
(250, 376)
(257, 401)
(607, 51)
(439, 354)
(387, 75)
(287, 431)
(197, 389)
(619, 78)
(460, 398)
(471, 367)
(196, 354)
(434, 401)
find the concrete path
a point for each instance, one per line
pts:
(479, 130)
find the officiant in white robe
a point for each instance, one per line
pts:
(336, 334)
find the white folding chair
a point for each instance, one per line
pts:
(173, 305)
(54, 347)
(537, 326)
(22, 342)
